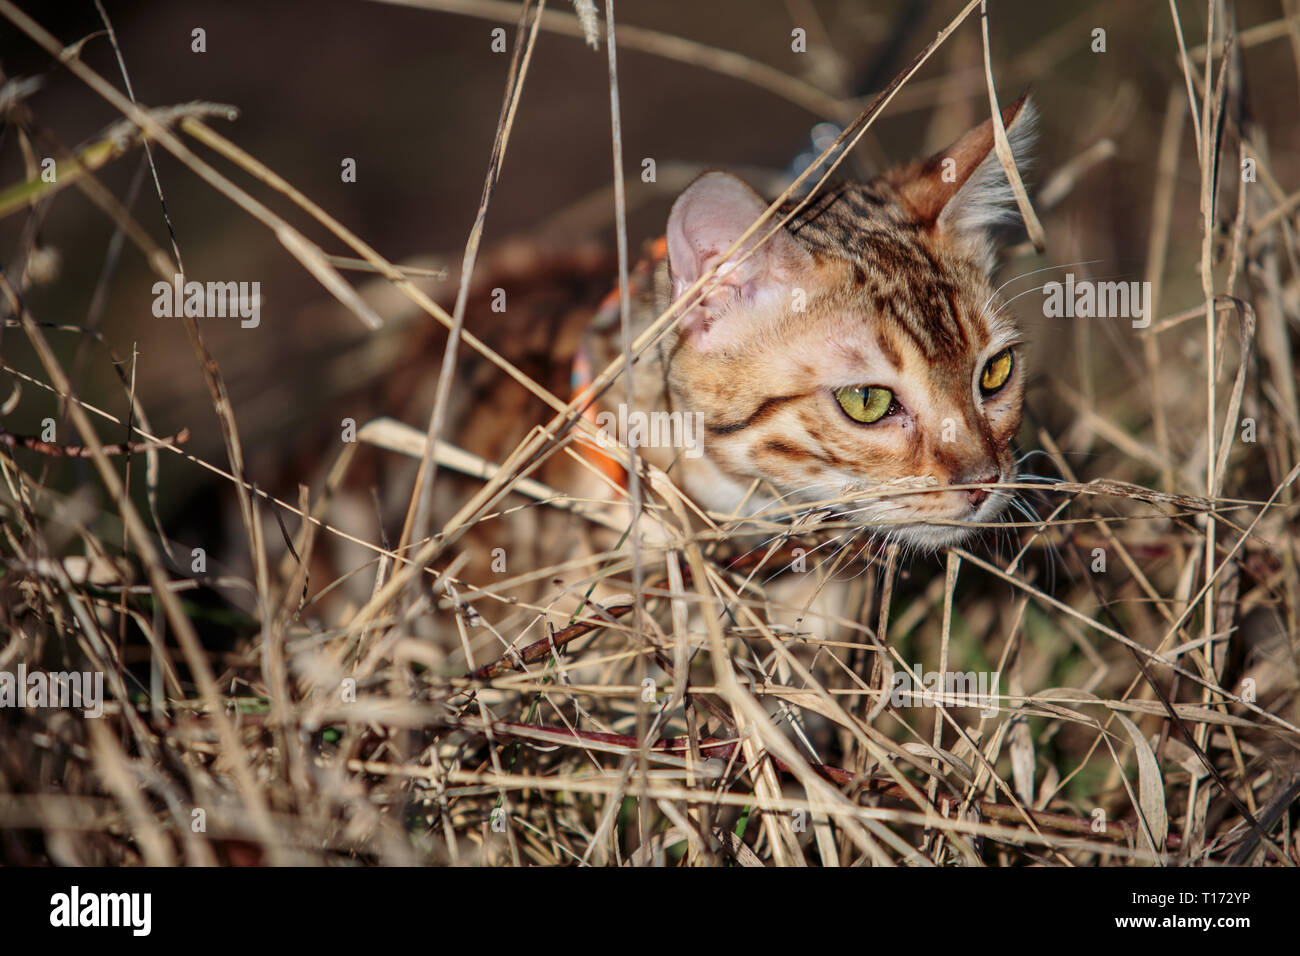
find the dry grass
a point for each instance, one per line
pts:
(648, 701)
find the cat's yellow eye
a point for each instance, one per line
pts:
(996, 372)
(865, 403)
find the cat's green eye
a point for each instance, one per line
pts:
(865, 403)
(996, 372)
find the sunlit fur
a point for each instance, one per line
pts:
(893, 276)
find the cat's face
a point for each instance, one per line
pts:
(858, 354)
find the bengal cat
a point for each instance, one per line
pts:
(861, 348)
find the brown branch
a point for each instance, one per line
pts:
(9, 439)
(538, 650)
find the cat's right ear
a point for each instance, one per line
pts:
(705, 222)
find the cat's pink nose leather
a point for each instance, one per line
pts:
(978, 496)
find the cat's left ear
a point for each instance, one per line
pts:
(963, 188)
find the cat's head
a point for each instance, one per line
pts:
(863, 345)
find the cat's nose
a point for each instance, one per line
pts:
(978, 496)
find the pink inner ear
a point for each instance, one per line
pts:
(706, 220)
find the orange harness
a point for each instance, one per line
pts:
(582, 375)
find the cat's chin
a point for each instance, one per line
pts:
(931, 537)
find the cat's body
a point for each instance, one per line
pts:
(879, 287)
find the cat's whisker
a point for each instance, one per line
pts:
(829, 564)
(1026, 275)
(763, 545)
(1051, 553)
(1037, 452)
(866, 565)
(811, 551)
(830, 560)
(778, 500)
(997, 313)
